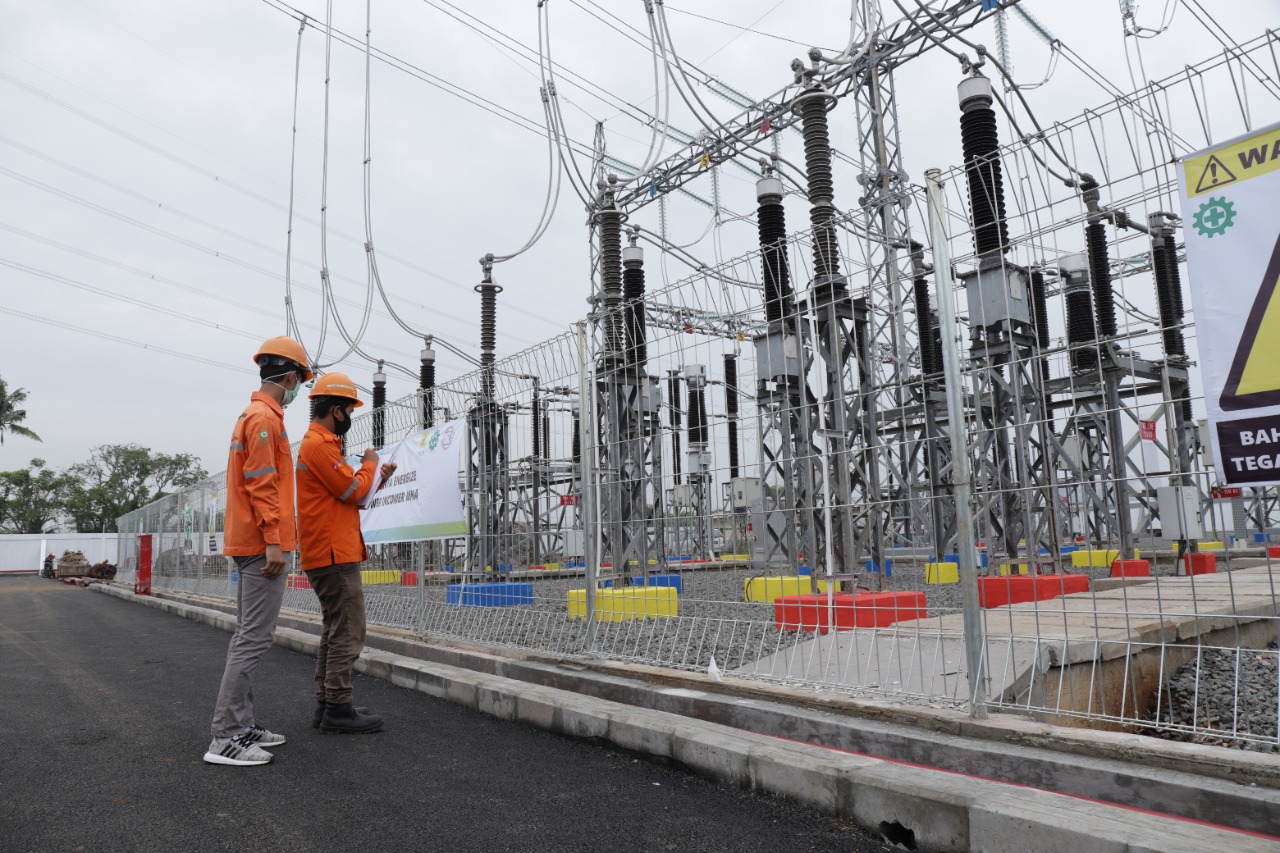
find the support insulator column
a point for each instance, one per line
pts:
(379, 410)
(633, 308)
(731, 410)
(1104, 300)
(1081, 335)
(488, 291)
(576, 450)
(673, 416)
(1040, 316)
(427, 382)
(930, 346)
(822, 213)
(610, 219)
(1164, 260)
(982, 165)
(779, 302)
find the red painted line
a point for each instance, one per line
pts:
(1210, 824)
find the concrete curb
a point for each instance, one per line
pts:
(937, 810)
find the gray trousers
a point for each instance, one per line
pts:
(258, 602)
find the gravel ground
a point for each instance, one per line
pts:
(1212, 694)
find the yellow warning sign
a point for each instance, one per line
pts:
(1236, 161)
(1215, 174)
(1254, 379)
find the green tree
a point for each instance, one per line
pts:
(119, 478)
(33, 499)
(12, 415)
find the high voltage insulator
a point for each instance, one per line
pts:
(610, 220)
(379, 410)
(1081, 334)
(731, 409)
(982, 165)
(673, 415)
(813, 107)
(697, 405)
(930, 348)
(1104, 301)
(576, 451)
(1040, 314)
(1164, 261)
(535, 422)
(488, 328)
(633, 296)
(779, 304)
(427, 382)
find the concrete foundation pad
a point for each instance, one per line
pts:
(942, 810)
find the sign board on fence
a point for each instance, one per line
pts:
(421, 501)
(1223, 493)
(1233, 261)
(568, 500)
(1148, 430)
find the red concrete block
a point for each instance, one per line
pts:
(1201, 564)
(998, 591)
(297, 582)
(1273, 551)
(408, 579)
(1131, 569)
(1052, 586)
(864, 610)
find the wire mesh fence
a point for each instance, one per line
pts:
(752, 470)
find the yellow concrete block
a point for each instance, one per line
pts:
(1206, 546)
(822, 586)
(941, 572)
(373, 577)
(1009, 568)
(766, 589)
(1094, 558)
(551, 566)
(617, 605)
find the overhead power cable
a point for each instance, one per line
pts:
(222, 180)
(49, 321)
(119, 297)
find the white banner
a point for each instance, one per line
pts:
(1232, 232)
(421, 501)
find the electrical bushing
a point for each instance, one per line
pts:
(1081, 335)
(981, 142)
(633, 303)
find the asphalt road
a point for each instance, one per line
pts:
(104, 716)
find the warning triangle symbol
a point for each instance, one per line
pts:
(1254, 379)
(1215, 174)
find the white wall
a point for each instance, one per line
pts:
(25, 552)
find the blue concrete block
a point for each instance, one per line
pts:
(1068, 549)
(1260, 538)
(235, 577)
(951, 558)
(872, 566)
(804, 570)
(661, 580)
(489, 594)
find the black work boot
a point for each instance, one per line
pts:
(346, 719)
(315, 719)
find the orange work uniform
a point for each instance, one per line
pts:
(329, 492)
(259, 482)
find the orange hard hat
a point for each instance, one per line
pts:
(286, 348)
(336, 385)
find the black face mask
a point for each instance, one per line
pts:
(340, 427)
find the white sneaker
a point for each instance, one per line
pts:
(238, 751)
(262, 737)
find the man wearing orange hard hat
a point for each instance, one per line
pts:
(329, 495)
(260, 533)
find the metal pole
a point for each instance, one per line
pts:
(587, 501)
(973, 642)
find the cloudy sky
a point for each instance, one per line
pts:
(145, 169)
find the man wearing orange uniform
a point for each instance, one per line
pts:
(260, 533)
(329, 494)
